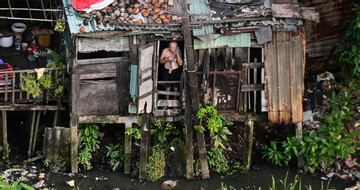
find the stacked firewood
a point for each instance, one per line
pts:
(121, 11)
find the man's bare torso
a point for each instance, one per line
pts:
(167, 54)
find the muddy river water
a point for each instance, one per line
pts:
(253, 178)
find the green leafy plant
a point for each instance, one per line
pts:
(46, 162)
(274, 154)
(225, 187)
(31, 85)
(217, 126)
(238, 167)
(59, 60)
(215, 123)
(325, 145)
(15, 186)
(156, 164)
(34, 86)
(89, 144)
(161, 130)
(218, 161)
(116, 154)
(134, 132)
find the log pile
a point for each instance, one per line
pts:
(141, 11)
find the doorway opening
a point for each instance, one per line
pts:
(169, 85)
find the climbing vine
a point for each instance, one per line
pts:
(217, 126)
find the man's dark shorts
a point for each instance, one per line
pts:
(174, 76)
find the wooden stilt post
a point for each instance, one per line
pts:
(127, 160)
(4, 133)
(144, 144)
(299, 136)
(74, 122)
(31, 133)
(248, 136)
(189, 136)
(193, 86)
(35, 132)
(56, 116)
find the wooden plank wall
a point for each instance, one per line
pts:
(284, 75)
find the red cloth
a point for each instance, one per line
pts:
(82, 4)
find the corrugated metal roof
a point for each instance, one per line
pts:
(201, 8)
(75, 23)
(217, 41)
(284, 76)
(261, 21)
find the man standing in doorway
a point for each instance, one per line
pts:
(171, 58)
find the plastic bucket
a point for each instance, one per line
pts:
(6, 41)
(44, 40)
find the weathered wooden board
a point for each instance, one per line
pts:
(133, 90)
(99, 97)
(89, 45)
(284, 75)
(97, 68)
(145, 82)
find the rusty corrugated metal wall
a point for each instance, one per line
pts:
(324, 38)
(284, 74)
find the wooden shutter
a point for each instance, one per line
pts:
(145, 79)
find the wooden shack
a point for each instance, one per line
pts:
(245, 58)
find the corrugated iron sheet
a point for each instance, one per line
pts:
(284, 74)
(321, 37)
(239, 40)
(75, 23)
(200, 7)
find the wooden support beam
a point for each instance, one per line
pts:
(144, 144)
(123, 81)
(101, 60)
(74, 144)
(248, 137)
(189, 137)
(22, 107)
(127, 159)
(299, 136)
(107, 119)
(192, 81)
(74, 122)
(36, 132)
(56, 117)
(31, 133)
(4, 133)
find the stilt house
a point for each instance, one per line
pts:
(249, 58)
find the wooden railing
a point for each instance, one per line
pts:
(11, 83)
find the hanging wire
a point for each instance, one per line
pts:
(42, 5)
(11, 13)
(51, 15)
(27, 2)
